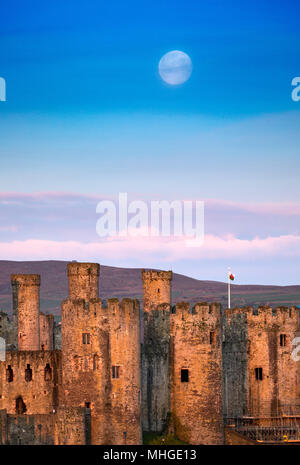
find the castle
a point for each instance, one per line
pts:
(199, 373)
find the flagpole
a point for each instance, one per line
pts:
(228, 287)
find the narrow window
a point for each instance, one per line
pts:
(87, 405)
(283, 340)
(48, 372)
(20, 406)
(158, 291)
(85, 338)
(43, 347)
(28, 374)
(115, 372)
(258, 374)
(95, 362)
(9, 374)
(184, 375)
(212, 337)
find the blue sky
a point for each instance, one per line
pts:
(87, 114)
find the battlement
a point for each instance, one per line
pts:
(265, 315)
(38, 357)
(93, 310)
(26, 279)
(201, 310)
(156, 275)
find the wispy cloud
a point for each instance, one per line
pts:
(140, 249)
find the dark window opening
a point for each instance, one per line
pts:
(212, 337)
(258, 374)
(28, 374)
(158, 291)
(43, 347)
(283, 340)
(48, 372)
(95, 362)
(9, 374)
(115, 372)
(184, 375)
(20, 406)
(85, 338)
(87, 405)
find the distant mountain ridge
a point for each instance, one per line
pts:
(126, 282)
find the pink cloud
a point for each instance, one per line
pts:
(145, 249)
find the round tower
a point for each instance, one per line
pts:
(83, 280)
(26, 302)
(157, 288)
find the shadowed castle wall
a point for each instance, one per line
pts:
(155, 350)
(196, 374)
(66, 426)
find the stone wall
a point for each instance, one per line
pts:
(38, 392)
(66, 426)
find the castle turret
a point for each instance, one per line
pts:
(26, 302)
(157, 288)
(155, 350)
(83, 280)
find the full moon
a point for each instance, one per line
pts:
(175, 67)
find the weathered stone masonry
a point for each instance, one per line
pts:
(259, 371)
(101, 362)
(196, 373)
(155, 349)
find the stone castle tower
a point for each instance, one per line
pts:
(196, 373)
(26, 303)
(260, 375)
(101, 359)
(155, 350)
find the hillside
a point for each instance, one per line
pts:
(126, 282)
